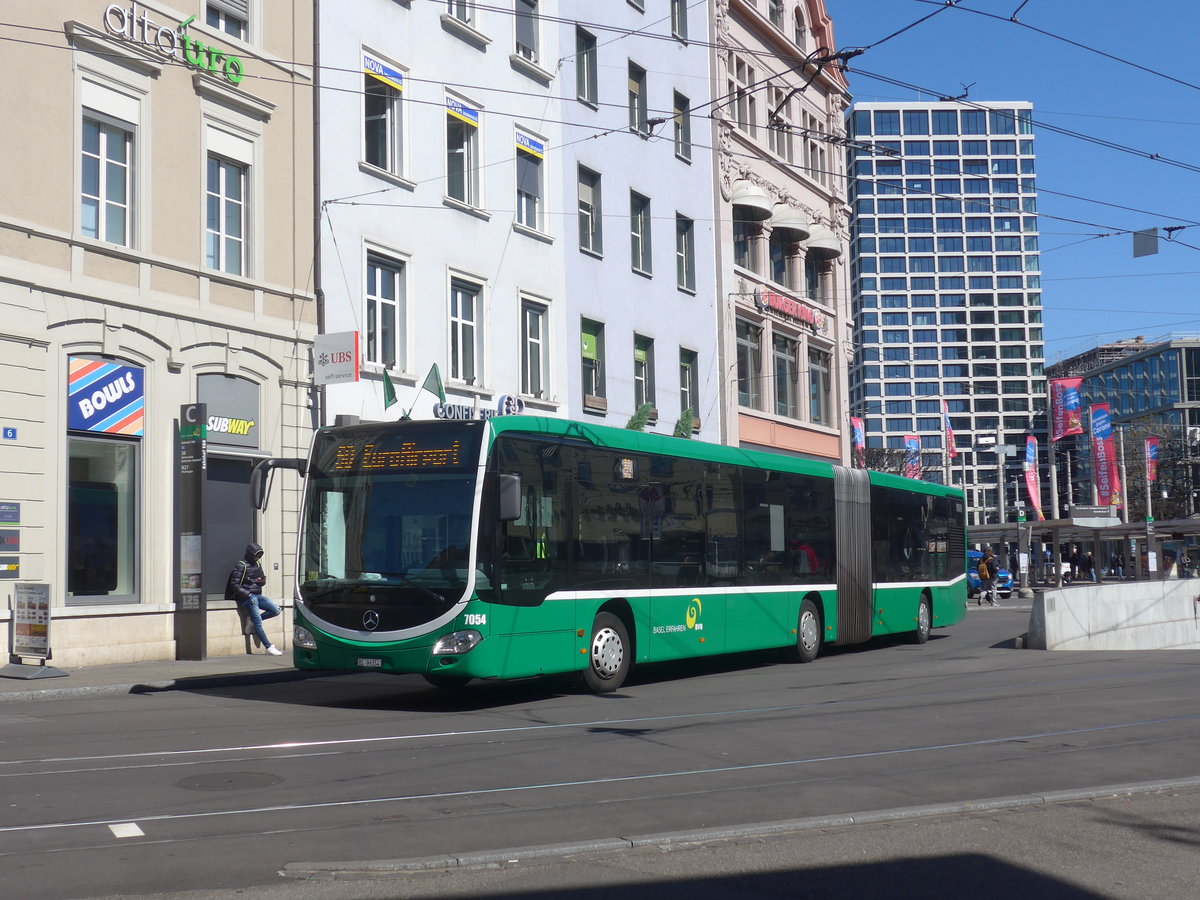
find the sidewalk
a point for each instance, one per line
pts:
(157, 675)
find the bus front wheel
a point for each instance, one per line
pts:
(608, 655)
(808, 632)
(924, 620)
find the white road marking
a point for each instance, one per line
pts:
(650, 776)
(125, 829)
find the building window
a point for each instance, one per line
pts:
(591, 223)
(464, 331)
(638, 115)
(639, 233)
(643, 371)
(534, 357)
(382, 135)
(463, 10)
(585, 66)
(107, 184)
(783, 259)
(384, 319)
(226, 216)
(229, 16)
(527, 26)
(775, 12)
(819, 386)
(679, 19)
(102, 517)
(785, 352)
(530, 152)
(462, 152)
(745, 244)
(749, 364)
(689, 383)
(592, 359)
(682, 118)
(780, 127)
(741, 90)
(685, 253)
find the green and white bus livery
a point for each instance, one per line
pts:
(519, 546)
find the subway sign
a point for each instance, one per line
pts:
(172, 41)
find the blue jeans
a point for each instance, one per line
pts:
(259, 607)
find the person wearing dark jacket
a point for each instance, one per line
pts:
(246, 587)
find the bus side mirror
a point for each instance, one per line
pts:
(260, 483)
(510, 497)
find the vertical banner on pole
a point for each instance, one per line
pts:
(912, 456)
(191, 627)
(1151, 459)
(858, 441)
(1066, 416)
(951, 449)
(1104, 457)
(1033, 481)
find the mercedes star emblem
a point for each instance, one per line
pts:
(370, 620)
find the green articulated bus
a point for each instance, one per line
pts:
(518, 546)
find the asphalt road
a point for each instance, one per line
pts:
(217, 791)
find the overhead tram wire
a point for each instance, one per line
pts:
(1013, 20)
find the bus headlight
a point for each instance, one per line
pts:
(303, 638)
(457, 642)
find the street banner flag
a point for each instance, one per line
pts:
(860, 453)
(1033, 481)
(912, 456)
(1151, 459)
(950, 447)
(389, 391)
(1066, 417)
(433, 384)
(1104, 456)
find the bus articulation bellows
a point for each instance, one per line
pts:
(519, 546)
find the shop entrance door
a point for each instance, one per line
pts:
(228, 519)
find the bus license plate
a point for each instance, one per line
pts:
(367, 662)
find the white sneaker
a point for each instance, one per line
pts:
(274, 651)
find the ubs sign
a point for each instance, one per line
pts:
(172, 41)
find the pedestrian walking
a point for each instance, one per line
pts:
(988, 570)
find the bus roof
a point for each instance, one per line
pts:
(645, 442)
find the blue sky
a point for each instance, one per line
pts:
(1093, 290)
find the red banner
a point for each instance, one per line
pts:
(1104, 457)
(1033, 483)
(1151, 459)
(912, 456)
(950, 448)
(1066, 414)
(858, 441)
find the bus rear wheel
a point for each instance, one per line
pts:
(924, 620)
(808, 632)
(608, 655)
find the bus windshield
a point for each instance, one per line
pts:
(388, 516)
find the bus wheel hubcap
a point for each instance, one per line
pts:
(808, 631)
(923, 618)
(607, 653)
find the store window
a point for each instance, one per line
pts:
(102, 513)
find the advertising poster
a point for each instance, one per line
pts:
(31, 620)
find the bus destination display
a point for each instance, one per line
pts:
(409, 455)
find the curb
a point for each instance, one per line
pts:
(677, 840)
(187, 683)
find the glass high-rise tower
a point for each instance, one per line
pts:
(946, 293)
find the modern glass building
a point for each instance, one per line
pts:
(945, 282)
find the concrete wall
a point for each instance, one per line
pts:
(1156, 615)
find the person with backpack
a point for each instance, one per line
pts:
(245, 586)
(989, 569)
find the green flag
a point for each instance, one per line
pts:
(433, 383)
(389, 392)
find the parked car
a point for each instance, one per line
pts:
(1004, 581)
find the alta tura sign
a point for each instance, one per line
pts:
(172, 41)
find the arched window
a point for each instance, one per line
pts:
(799, 28)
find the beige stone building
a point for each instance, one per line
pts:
(156, 250)
(782, 287)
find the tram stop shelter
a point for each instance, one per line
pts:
(1091, 528)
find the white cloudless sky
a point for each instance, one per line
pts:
(1093, 289)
